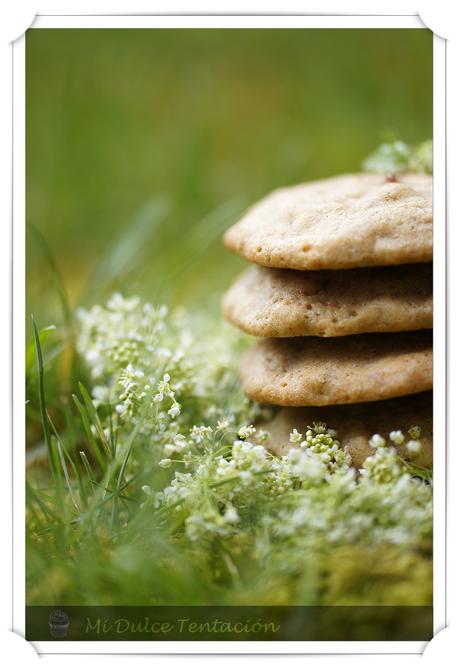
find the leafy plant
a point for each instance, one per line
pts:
(163, 491)
(398, 157)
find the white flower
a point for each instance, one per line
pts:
(246, 431)
(413, 446)
(382, 467)
(295, 437)
(231, 516)
(262, 436)
(397, 437)
(377, 441)
(174, 411)
(198, 434)
(180, 442)
(305, 465)
(248, 456)
(165, 463)
(246, 476)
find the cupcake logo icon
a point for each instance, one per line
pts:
(59, 624)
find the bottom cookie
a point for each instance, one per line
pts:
(355, 424)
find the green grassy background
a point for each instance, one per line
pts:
(143, 145)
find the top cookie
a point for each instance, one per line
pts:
(357, 220)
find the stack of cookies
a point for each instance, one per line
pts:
(342, 296)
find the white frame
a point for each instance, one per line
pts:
(439, 202)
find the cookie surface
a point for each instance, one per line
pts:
(352, 369)
(357, 423)
(285, 303)
(356, 220)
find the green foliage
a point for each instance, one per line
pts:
(398, 157)
(174, 497)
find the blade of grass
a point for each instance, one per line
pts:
(61, 450)
(58, 476)
(66, 474)
(128, 449)
(100, 489)
(89, 470)
(43, 411)
(95, 419)
(417, 471)
(81, 486)
(87, 427)
(31, 347)
(72, 436)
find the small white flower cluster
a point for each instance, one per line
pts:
(246, 461)
(383, 505)
(221, 482)
(383, 467)
(179, 444)
(145, 364)
(323, 442)
(210, 524)
(131, 391)
(413, 445)
(305, 465)
(120, 334)
(199, 434)
(246, 431)
(323, 497)
(164, 390)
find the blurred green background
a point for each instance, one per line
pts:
(144, 145)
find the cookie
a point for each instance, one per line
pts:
(285, 303)
(356, 424)
(357, 220)
(315, 371)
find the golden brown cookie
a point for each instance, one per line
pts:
(357, 220)
(284, 303)
(312, 371)
(356, 424)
